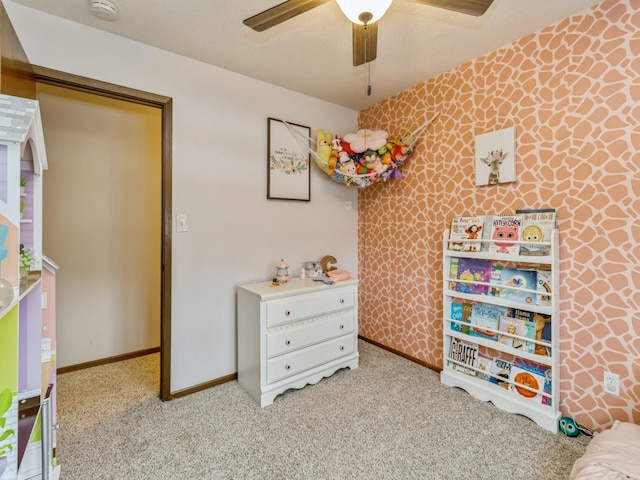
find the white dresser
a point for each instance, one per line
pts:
(294, 334)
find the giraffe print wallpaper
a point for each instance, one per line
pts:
(572, 92)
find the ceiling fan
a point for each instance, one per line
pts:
(364, 18)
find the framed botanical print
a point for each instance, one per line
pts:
(288, 163)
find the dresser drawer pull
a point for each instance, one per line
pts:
(287, 342)
(342, 326)
(287, 312)
(287, 366)
(341, 347)
(342, 300)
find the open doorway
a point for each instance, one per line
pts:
(46, 77)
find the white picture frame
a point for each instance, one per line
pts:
(496, 157)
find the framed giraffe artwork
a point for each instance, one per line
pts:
(496, 157)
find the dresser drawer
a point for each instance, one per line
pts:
(304, 306)
(293, 337)
(287, 365)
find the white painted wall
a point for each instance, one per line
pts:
(219, 180)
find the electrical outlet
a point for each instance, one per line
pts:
(612, 383)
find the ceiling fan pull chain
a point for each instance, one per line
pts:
(366, 59)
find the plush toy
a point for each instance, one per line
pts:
(569, 427)
(336, 144)
(369, 160)
(323, 145)
(331, 163)
(366, 140)
(346, 147)
(378, 167)
(400, 151)
(349, 167)
(407, 140)
(337, 176)
(387, 147)
(344, 158)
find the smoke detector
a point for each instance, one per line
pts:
(104, 9)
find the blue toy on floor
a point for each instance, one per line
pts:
(569, 427)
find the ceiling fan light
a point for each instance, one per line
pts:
(354, 10)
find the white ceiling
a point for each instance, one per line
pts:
(311, 53)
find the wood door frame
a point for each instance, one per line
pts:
(88, 85)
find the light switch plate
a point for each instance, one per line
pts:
(181, 224)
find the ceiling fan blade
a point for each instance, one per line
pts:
(470, 7)
(280, 13)
(365, 43)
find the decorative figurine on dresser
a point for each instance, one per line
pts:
(295, 333)
(282, 272)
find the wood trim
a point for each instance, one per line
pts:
(167, 245)
(404, 355)
(165, 104)
(16, 75)
(204, 386)
(105, 361)
(234, 376)
(106, 89)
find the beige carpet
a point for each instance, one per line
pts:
(388, 419)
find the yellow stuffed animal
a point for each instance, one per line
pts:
(323, 145)
(333, 160)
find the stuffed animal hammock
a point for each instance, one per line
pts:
(363, 158)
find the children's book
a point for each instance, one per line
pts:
(525, 373)
(487, 229)
(501, 369)
(475, 274)
(519, 285)
(511, 328)
(453, 272)
(539, 322)
(543, 333)
(537, 228)
(522, 314)
(543, 281)
(528, 320)
(469, 229)
(484, 367)
(484, 317)
(496, 277)
(505, 233)
(464, 352)
(461, 312)
(530, 332)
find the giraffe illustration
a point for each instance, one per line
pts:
(493, 160)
